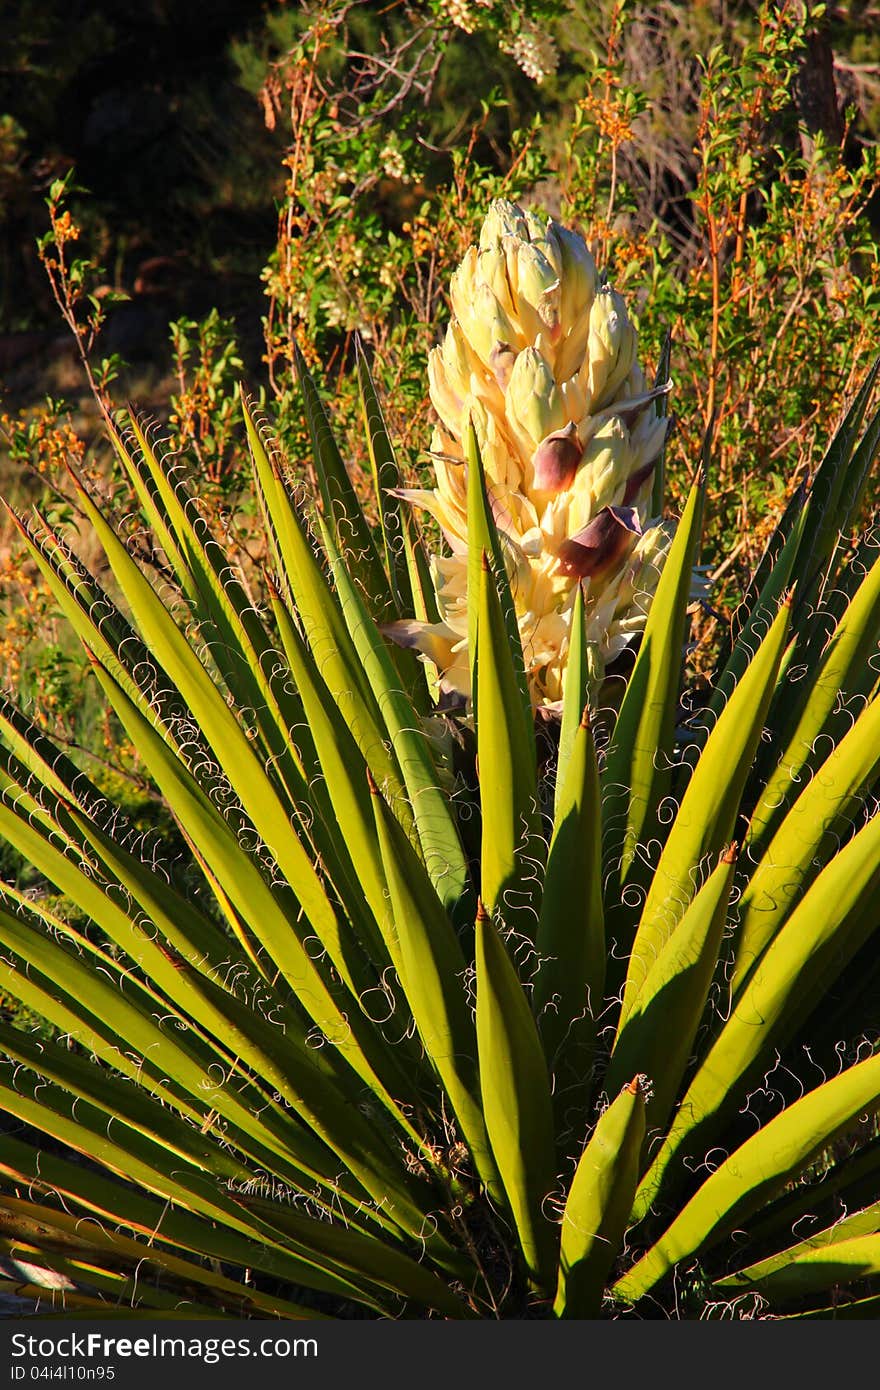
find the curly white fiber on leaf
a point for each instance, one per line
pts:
(542, 359)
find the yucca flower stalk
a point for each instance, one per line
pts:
(540, 360)
(426, 1025)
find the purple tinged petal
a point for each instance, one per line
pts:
(636, 481)
(556, 460)
(501, 360)
(601, 545)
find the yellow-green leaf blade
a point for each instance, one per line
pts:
(756, 1171)
(516, 1101)
(599, 1203)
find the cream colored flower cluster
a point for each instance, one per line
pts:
(542, 359)
(534, 51)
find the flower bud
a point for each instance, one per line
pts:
(492, 271)
(448, 391)
(458, 360)
(576, 402)
(578, 273)
(556, 460)
(612, 346)
(536, 288)
(501, 361)
(571, 351)
(503, 219)
(638, 480)
(639, 579)
(485, 323)
(607, 463)
(533, 399)
(601, 545)
(463, 283)
(540, 236)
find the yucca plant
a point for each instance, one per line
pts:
(450, 1010)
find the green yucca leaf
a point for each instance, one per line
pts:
(570, 941)
(158, 499)
(30, 1219)
(577, 693)
(371, 1263)
(799, 1269)
(814, 1271)
(242, 649)
(342, 509)
(658, 1033)
(344, 771)
(128, 1154)
(106, 635)
(846, 1185)
(240, 1241)
(113, 1096)
(806, 839)
(35, 753)
(14, 787)
(302, 1081)
(599, 1202)
(856, 475)
(484, 542)
(833, 919)
(757, 1170)
(281, 1052)
(258, 795)
(790, 519)
(396, 526)
(324, 627)
(122, 1027)
(763, 610)
(98, 1032)
(424, 597)
(424, 607)
(707, 814)
(272, 913)
(97, 621)
(505, 753)
(434, 822)
(845, 658)
(637, 772)
(431, 966)
(516, 1101)
(831, 504)
(386, 478)
(56, 983)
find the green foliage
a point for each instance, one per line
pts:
(205, 410)
(378, 1094)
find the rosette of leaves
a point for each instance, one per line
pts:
(413, 1031)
